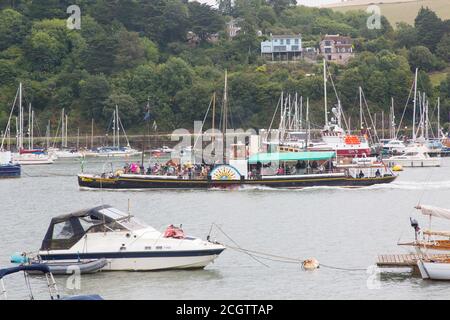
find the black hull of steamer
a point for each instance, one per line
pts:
(143, 182)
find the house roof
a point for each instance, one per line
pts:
(337, 37)
(282, 36)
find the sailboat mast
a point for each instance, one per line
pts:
(325, 90)
(439, 116)
(225, 113)
(415, 103)
(47, 134)
(32, 129)
(92, 133)
(307, 122)
(213, 119)
(62, 128)
(29, 126)
(20, 133)
(114, 128)
(66, 132)
(360, 109)
(118, 126)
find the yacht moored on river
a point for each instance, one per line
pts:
(104, 232)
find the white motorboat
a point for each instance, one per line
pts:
(415, 156)
(112, 152)
(164, 151)
(434, 269)
(394, 146)
(64, 153)
(35, 158)
(126, 243)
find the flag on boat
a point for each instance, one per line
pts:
(155, 126)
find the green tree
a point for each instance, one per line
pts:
(406, 35)
(443, 48)
(129, 52)
(204, 20)
(13, 28)
(422, 58)
(129, 111)
(430, 28)
(94, 92)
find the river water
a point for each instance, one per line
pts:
(345, 228)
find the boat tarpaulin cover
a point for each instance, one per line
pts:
(290, 156)
(434, 211)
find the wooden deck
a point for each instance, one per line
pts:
(405, 260)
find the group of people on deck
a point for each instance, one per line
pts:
(170, 168)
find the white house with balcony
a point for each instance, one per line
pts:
(282, 47)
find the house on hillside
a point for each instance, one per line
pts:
(282, 47)
(337, 48)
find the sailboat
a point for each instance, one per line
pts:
(334, 137)
(429, 242)
(417, 154)
(30, 156)
(64, 152)
(116, 150)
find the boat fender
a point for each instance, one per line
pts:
(310, 264)
(19, 258)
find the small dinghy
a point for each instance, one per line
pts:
(84, 267)
(51, 284)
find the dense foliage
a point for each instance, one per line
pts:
(129, 52)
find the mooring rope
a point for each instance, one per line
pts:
(277, 258)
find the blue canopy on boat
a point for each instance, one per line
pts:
(35, 267)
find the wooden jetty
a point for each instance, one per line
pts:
(405, 260)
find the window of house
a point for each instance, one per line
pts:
(329, 57)
(328, 43)
(327, 50)
(288, 41)
(296, 41)
(281, 41)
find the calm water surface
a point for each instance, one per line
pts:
(340, 227)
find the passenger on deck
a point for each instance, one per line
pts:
(280, 171)
(378, 173)
(361, 174)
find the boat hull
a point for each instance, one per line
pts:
(10, 171)
(144, 261)
(143, 182)
(434, 270)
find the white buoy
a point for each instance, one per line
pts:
(310, 264)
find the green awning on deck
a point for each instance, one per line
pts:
(290, 156)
